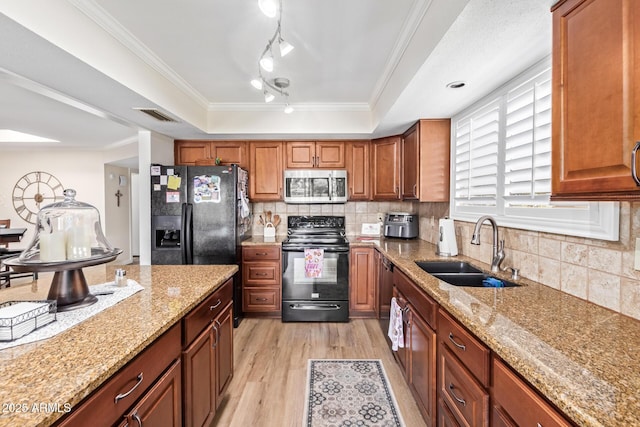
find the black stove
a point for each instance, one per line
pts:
(322, 297)
(325, 232)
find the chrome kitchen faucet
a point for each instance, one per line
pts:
(498, 246)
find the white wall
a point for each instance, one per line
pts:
(117, 219)
(153, 148)
(82, 171)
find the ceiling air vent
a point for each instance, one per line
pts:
(156, 114)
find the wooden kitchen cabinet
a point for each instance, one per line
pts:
(141, 381)
(161, 406)
(596, 99)
(204, 153)
(385, 167)
(463, 373)
(515, 403)
(420, 340)
(357, 164)
(265, 171)
(362, 289)
(315, 154)
(207, 358)
(261, 280)
(425, 161)
(186, 152)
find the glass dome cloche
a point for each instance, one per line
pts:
(66, 232)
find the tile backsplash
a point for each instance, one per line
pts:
(595, 270)
(355, 213)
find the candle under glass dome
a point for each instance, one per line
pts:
(68, 237)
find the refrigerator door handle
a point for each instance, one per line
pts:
(186, 233)
(188, 226)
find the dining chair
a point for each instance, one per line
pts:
(5, 223)
(6, 274)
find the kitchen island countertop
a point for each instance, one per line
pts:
(584, 358)
(47, 376)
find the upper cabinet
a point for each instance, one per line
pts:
(190, 153)
(357, 162)
(425, 161)
(187, 152)
(312, 154)
(265, 171)
(596, 99)
(385, 166)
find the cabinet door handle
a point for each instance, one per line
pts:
(123, 395)
(137, 418)
(460, 346)
(215, 329)
(216, 305)
(415, 190)
(453, 393)
(634, 172)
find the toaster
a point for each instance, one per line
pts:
(401, 224)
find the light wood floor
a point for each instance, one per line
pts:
(270, 369)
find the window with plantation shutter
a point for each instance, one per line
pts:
(501, 164)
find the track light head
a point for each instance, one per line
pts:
(268, 7)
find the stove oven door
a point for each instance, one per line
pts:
(314, 299)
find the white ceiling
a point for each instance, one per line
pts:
(73, 70)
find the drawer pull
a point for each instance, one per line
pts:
(261, 254)
(260, 274)
(123, 395)
(460, 346)
(137, 418)
(453, 393)
(216, 305)
(261, 299)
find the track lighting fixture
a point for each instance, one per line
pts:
(266, 61)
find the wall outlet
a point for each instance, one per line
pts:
(636, 263)
(380, 217)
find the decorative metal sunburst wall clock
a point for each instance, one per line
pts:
(33, 191)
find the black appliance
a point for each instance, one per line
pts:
(200, 215)
(385, 294)
(315, 299)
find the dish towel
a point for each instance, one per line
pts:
(313, 260)
(396, 334)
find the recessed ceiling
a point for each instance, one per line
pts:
(360, 68)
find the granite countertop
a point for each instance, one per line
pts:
(66, 368)
(582, 357)
(261, 240)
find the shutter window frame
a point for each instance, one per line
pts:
(513, 183)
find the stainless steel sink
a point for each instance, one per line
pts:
(478, 280)
(433, 267)
(459, 273)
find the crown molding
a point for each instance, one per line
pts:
(98, 15)
(272, 106)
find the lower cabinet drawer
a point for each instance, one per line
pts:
(522, 403)
(261, 299)
(463, 394)
(471, 352)
(256, 274)
(202, 316)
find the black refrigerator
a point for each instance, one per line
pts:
(200, 215)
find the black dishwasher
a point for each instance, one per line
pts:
(385, 293)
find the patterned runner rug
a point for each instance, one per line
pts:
(346, 393)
